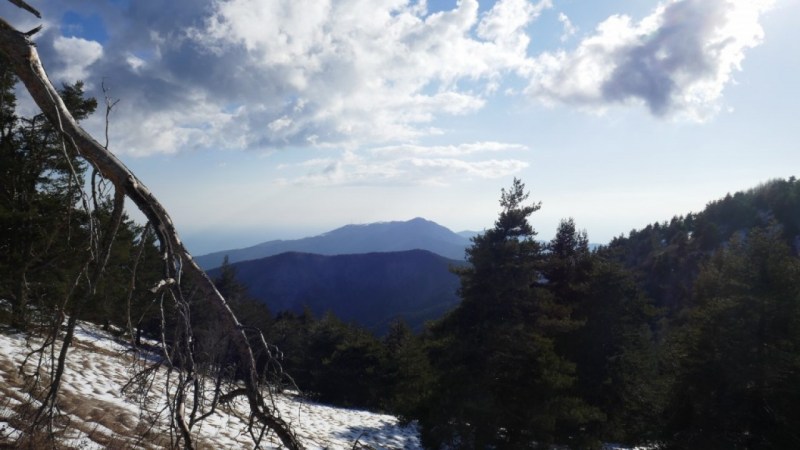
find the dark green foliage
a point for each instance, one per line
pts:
(250, 311)
(331, 361)
(49, 227)
(499, 379)
(408, 371)
(612, 347)
(369, 289)
(667, 256)
(616, 355)
(351, 359)
(39, 232)
(555, 345)
(737, 350)
(40, 183)
(569, 263)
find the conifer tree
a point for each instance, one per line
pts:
(738, 350)
(499, 380)
(407, 370)
(613, 346)
(616, 356)
(42, 234)
(569, 260)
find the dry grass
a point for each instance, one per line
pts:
(94, 413)
(82, 420)
(97, 416)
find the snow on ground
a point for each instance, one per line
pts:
(101, 416)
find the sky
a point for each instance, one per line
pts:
(253, 120)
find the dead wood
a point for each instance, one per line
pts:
(22, 56)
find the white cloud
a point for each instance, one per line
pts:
(413, 171)
(365, 71)
(76, 55)
(506, 21)
(279, 124)
(355, 74)
(676, 61)
(569, 28)
(447, 150)
(448, 168)
(146, 132)
(135, 62)
(410, 165)
(343, 74)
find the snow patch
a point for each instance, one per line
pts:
(97, 368)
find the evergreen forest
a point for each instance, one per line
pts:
(684, 334)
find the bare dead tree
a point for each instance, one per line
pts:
(180, 269)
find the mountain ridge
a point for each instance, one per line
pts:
(372, 289)
(392, 236)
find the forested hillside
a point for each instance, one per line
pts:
(50, 227)
(667, 256)
(680, 335)
(369, 289)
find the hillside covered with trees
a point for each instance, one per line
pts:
(680, 335)
(371, 289)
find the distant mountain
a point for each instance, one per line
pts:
(370, 289)
(356, 239)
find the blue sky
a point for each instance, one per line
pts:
(255, 120)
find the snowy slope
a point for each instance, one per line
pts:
(101, 416)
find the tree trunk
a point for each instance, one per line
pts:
(24, 60)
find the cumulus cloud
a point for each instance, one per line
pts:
(366, 72)
(354, 74)
(261, 75)
(675, 61)
(75, 55)
(569, 28)
(411, 164)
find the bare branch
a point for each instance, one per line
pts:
(24, 5)
(110, 104)
(132, 284)
(179, 265)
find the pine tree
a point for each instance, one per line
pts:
(228, 285)
(613, 346)
(41, 179)
(407, 370)
(569, 261)
(616, 355)
(738, 350)
(499, 380)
